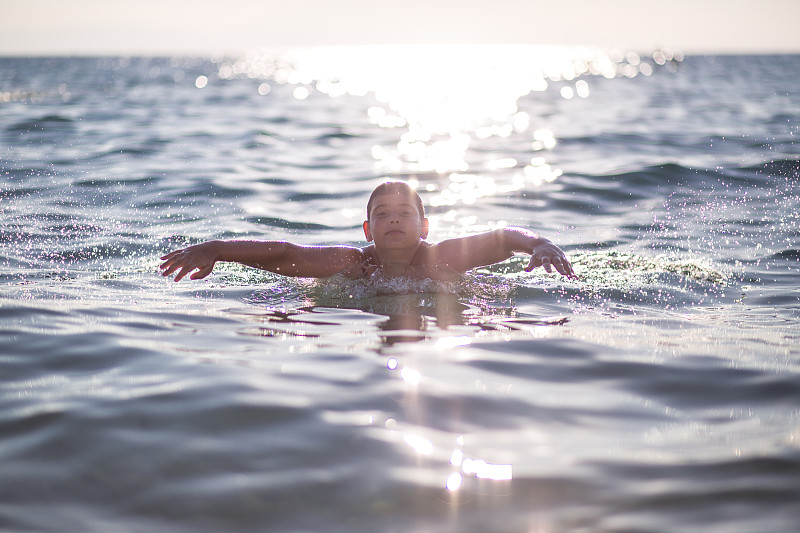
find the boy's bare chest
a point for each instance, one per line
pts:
(424, 264)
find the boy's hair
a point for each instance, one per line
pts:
(396, 187)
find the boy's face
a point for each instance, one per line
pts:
(395, 222)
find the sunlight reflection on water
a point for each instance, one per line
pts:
(447, 98)
(444, 96)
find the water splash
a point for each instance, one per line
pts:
(618, 269)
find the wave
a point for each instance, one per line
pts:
(618, 192)
(310, 196)
(633, 185)
(46, 123)
(140, 150)
(591, 195)
(276, 222)
(785, 168)
(791, 253)
(638, 183)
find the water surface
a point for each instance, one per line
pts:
(659, 392)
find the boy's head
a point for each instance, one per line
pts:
(396, 187)
(395, 213)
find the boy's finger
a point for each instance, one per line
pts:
(167, 269)
(571, 271)
(563, 266)
(180, 275)
(172, 265)
(171, 254)
(203, 272)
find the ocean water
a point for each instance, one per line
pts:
(660, 392)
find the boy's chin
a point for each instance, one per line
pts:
(397, 242)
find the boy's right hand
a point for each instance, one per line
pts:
(549, 256)
(200, 257)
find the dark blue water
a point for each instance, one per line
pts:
(660, 392)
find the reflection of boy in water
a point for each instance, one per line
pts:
(397, 227)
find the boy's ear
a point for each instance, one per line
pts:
(424, 228)
(367, 232)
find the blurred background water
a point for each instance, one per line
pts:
(659, 392)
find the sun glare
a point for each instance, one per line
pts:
(445, 99)
(446, 89)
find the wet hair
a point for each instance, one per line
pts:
(396, 187)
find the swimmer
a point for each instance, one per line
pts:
(397, 228)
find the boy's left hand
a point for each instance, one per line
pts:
(549, 256)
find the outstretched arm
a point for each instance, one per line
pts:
(465, 253)
(280, 257)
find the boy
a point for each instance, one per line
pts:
(397, 227)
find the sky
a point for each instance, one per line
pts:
(106, 27)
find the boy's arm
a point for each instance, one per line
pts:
(465, 253)
(281, 257)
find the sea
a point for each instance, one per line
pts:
(658, 392)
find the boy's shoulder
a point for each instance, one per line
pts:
(363, 261)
